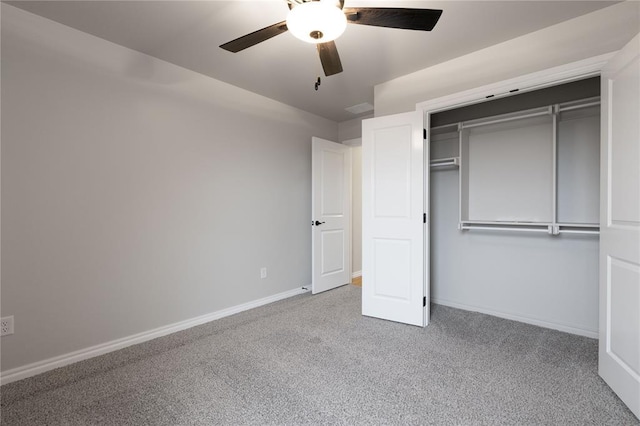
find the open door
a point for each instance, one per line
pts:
(619, 354)
(394, 191)
(331, 215)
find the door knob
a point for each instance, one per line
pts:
(318, 223)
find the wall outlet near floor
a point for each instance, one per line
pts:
(6, 325)
(263, 273)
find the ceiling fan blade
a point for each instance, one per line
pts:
(391, 17)
(329, 58)
(255, 37)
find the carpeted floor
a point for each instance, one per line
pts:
(316, 360)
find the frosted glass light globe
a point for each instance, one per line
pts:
(316, 21)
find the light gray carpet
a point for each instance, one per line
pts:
(316, 360)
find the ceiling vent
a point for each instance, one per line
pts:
(360, 108)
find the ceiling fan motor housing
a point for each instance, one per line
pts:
(316, 21)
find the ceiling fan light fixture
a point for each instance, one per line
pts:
(316, 21)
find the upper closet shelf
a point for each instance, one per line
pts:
(507, 117)
(517, 115)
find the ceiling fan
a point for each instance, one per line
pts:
(322, 21)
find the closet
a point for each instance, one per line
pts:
(514, 199)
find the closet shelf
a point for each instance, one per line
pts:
(548, 228)
(537, 112)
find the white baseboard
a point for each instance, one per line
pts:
(356, 274)
(514, 317)
(39, 367)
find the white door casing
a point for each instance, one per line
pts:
(619, 343)
(331, 215)
(394, 254)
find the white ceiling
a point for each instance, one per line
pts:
(188, 33)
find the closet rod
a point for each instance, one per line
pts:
(498, 228)
(579, 225)
(572, 107)
(454, 126)
(504, 120)
(454, 161)
(578, 231)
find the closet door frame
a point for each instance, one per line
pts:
(579, 70)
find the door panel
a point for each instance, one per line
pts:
(393, 232)
(331, 210)
(392, 173)
(392, 262)
(332, 189)
(624, 293)
(333, 251)
(619, 353)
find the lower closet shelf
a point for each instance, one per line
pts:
(548, 228)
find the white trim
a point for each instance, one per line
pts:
(528, 320)
(356, 274)
(537, 80)
(352, 142)
(39, 367)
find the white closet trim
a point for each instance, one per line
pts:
(538, 80)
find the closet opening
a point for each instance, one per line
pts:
(514, 199)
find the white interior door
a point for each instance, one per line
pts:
(619, 357)
(331, 215)
(394, 253)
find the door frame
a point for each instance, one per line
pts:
(573, 71)
(566, 73)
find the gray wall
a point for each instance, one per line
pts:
(136, 194)
(351, 129)
(350, 133)
(356, 209)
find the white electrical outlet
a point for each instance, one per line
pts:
(263, 273)
(6, 325)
